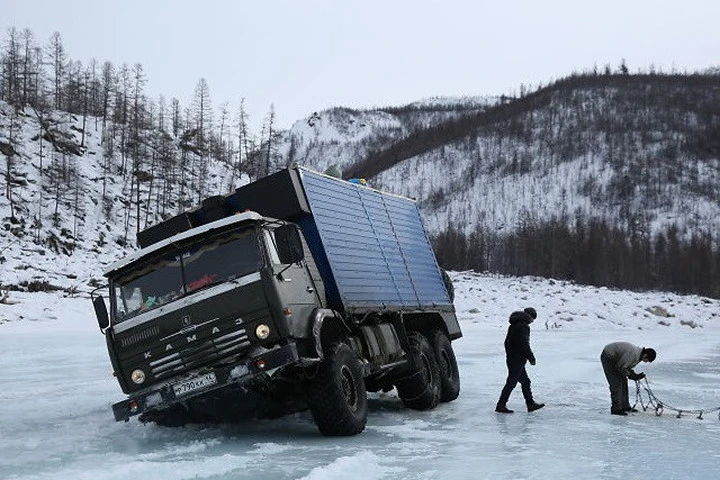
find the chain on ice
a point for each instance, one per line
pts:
(659, 406)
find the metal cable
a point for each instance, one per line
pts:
(659, 406)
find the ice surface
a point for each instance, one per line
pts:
(56, 391)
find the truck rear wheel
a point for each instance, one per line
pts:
(337, 395)
(447, 363)
(420, 390)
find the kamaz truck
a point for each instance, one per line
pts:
(297, 291)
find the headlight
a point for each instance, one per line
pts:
(262, 331)
(138, 376)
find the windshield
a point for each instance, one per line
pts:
(184, 271)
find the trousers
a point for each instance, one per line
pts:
(516, 373)
(617, 382)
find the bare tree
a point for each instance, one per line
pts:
(202, 111)
(85, 102)
(107, 81)
(29, 72)
(162, 107)
(202, 119)
(11, 60)
(222, 121)
(623, 69)
(58, 57)
(270, 150)
(138, 146)
(108, 152)
(176, 120)
(93, 91)
(120, 116)
(9, 152)
(244, 142)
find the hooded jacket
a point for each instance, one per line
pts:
(517, 341)
(625, 356)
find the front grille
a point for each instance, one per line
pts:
(201, 353)
(140, 336)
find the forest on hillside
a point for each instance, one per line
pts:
(44, 78)
(656, 136)
(650, 150)
(159, 150)
(592, 253)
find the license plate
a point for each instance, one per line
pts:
(196, 383)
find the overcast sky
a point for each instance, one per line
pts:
(305, 56)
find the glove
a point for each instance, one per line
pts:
(532, 362)
(637, 376)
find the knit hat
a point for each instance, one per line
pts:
(650, 352)
(531, 311)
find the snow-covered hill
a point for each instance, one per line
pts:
(68, 210)
(341, 136)
(638, 152)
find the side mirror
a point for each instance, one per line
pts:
(100, 312)
(289, 245)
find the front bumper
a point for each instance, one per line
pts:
(238, 373)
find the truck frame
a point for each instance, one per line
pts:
(297, 291)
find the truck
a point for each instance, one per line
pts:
(298, 291)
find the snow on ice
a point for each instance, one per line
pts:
(56, 391)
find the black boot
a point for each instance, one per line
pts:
(534, 406)
(502, 408)
(618, 412)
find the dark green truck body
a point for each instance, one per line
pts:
(228, 309)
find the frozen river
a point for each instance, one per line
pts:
(56, 392)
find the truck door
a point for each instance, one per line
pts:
(297, 290)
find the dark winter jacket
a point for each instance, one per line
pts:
(517, 341)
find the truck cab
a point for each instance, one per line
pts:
(210, 305)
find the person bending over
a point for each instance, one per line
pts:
(618, 360)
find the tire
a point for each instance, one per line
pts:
(447, 363)
(337, 395)
(448, 285)
(420, 388)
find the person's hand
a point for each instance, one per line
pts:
(532, 362)
(640, 376)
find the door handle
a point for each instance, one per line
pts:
(309, 289)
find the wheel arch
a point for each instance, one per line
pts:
(425, 322)
(326, 327)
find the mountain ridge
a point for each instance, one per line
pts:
(633, 156)
(699, 144)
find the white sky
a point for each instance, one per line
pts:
(305, 56)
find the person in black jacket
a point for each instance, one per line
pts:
(517, 352)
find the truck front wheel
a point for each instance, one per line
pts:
(337, 395)
(420, 388)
